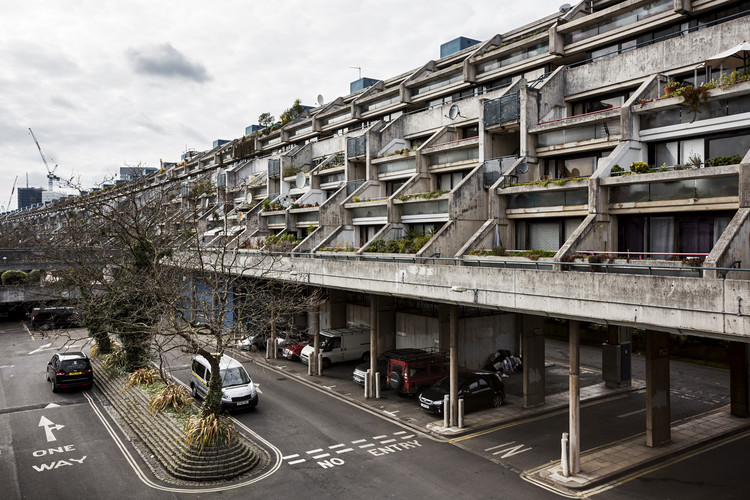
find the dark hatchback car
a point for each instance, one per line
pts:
(69, 369)
(478, 388)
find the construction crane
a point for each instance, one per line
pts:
(50, 172)
(13, 190)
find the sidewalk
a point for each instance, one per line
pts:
(598, 466)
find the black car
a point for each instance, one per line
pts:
(478, 388)
(69, 369)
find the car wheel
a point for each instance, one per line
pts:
(366, 357)
(497, 401)
(394, 379)
(193, 391)
(54, 385)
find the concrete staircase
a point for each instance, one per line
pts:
(164, 438)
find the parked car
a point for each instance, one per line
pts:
(69, 369)
(238, 389)
(293, 351)
(361, 370)
(341, 344)
(413, 372)
(478, 388)
(258, 342)
(45, 318)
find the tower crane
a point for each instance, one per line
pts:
(50, 172)
(13, 190)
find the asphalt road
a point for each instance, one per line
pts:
(66, 446)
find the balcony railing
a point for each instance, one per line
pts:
(549, 199)
(274, 166)
(356, 146)
(711, 187)
(578, 134)
(494, 168)
(501, 110)
(713, 109)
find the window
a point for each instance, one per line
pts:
(600, 103)
(446, 182)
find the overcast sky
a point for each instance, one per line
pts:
(105, 84)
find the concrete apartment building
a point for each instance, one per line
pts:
(536, 139)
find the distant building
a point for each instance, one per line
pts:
(29, 196)
(130, 173)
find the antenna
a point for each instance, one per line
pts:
(359, 69)
(300, 180)
(565, 8)
(320, 100)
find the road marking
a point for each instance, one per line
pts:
(315, 451)
(297, 462)
(345, 450)
(399, 433)
(391, 413)
(336, 446)
(388, 441)
(380, 437)
(631, 413)
(409, 436)
(49, 426)
(52, 405)
(322, 455)
(290, 456)
(367, 445)
(40, 348)
(359, 441)
(534, 419)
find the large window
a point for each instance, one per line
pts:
(549, 234)
(698, 149)
(663, 236)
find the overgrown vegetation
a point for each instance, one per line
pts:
(413, 243)
(210, 430)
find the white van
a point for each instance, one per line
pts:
(237, 386)
(340, 344)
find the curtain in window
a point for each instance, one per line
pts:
(661, 237)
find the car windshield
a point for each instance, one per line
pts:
(234, 376)
(445, 383)
(74, 364)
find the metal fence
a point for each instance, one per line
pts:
(356, 146)
(494, 168)
(501, 110)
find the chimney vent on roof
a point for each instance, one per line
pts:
(456, 45)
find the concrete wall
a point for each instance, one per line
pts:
(678, 52)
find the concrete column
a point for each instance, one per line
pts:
(575, 397)
(444, 326)
(616, 357)
(386, 323)
(337, 308)
(739, 379)
(315, 330)
(658, 425)
(373, 343)
(533, 360)
(454, 365)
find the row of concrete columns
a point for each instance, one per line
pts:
(658, 411)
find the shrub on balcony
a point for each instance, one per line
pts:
(724, 160)
(13, 278)
(639, 167)
(290, 170)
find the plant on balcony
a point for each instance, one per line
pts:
(281, 243)
(425, 196)
(290, 170)
(617, 169)
(13, 278)
(544, 183)
(202, 188)
(411, 244)
(640, 167)
(724, 160)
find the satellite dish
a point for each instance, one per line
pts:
(300, 180)
(453, 112)
(320, 100)
(522, 168)
(565, 8)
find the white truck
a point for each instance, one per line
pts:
(340, 344)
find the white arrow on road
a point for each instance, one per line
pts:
(49, 427)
